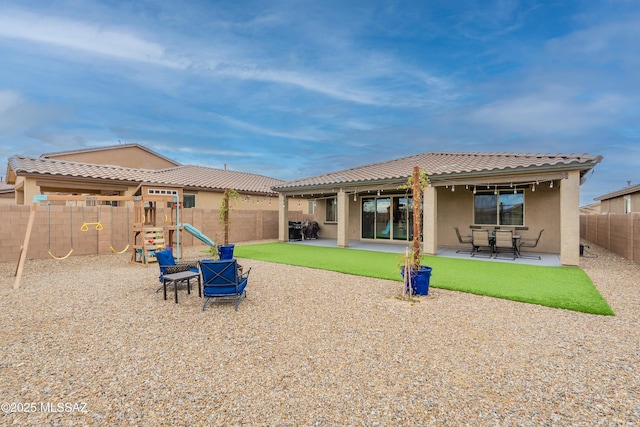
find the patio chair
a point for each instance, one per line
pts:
(222, 280)
(481, 240)
(168, 265)
(504, 243)
(530, 244)
(467, 240)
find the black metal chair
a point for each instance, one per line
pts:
(467, 240)
(481, 240)
(504, 243)
(530, 244)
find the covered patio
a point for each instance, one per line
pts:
(523, 192)
(546, 259)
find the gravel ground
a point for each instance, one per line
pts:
(87, 341)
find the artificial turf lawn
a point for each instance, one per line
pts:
(560, 287)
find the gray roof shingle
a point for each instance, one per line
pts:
(444, 164)
(183, 176)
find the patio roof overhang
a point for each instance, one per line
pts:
(521, 179)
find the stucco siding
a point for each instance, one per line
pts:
(130, 157)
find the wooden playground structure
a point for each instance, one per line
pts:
(155, 223)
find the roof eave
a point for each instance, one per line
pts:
(619, 193)
(441, 178)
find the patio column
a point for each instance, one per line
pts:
(343, 219)
(570, 219)
(430, 221)
(283, 218)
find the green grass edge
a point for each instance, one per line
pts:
(568, 288)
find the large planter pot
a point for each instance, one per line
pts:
(226, 251)
(419, 280)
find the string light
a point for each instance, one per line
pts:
(378, 192)
(354, 197)
(512, 185)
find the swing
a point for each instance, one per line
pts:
(70, 233)
(111, 233)
(85, 225)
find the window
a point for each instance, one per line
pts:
(504, 208)
(627, 205)
(189, 201)
(332, 210)
(312, 206)
(162, 192)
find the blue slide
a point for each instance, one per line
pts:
(198, 234)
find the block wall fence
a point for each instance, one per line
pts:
(619, 233)
(57, 228)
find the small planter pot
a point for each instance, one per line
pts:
(226, 251)
(419, 280)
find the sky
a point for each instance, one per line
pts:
(291, 89)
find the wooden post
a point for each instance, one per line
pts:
(25, 245)
(226, 216)
(417, 197)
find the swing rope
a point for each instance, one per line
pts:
(70, 233)
(111, 233)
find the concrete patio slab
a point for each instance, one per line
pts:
(548, 260)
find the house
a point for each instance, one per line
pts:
(529, 191)
(130, 193)
(623, 201)
(590, 209)
(121, 170)
(7, 193)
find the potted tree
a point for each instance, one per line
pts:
(417, 281)
(226, 250)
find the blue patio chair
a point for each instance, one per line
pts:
(222, 280)
(168, 265)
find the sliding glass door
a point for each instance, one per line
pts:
(387, 218)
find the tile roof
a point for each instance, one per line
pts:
(449, 165)
(622, 192)
(7, 188)
(183, 176)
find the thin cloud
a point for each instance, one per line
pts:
(550, 112)
(309, 135)
(355, 86)
(17, 112)
(83, 36)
